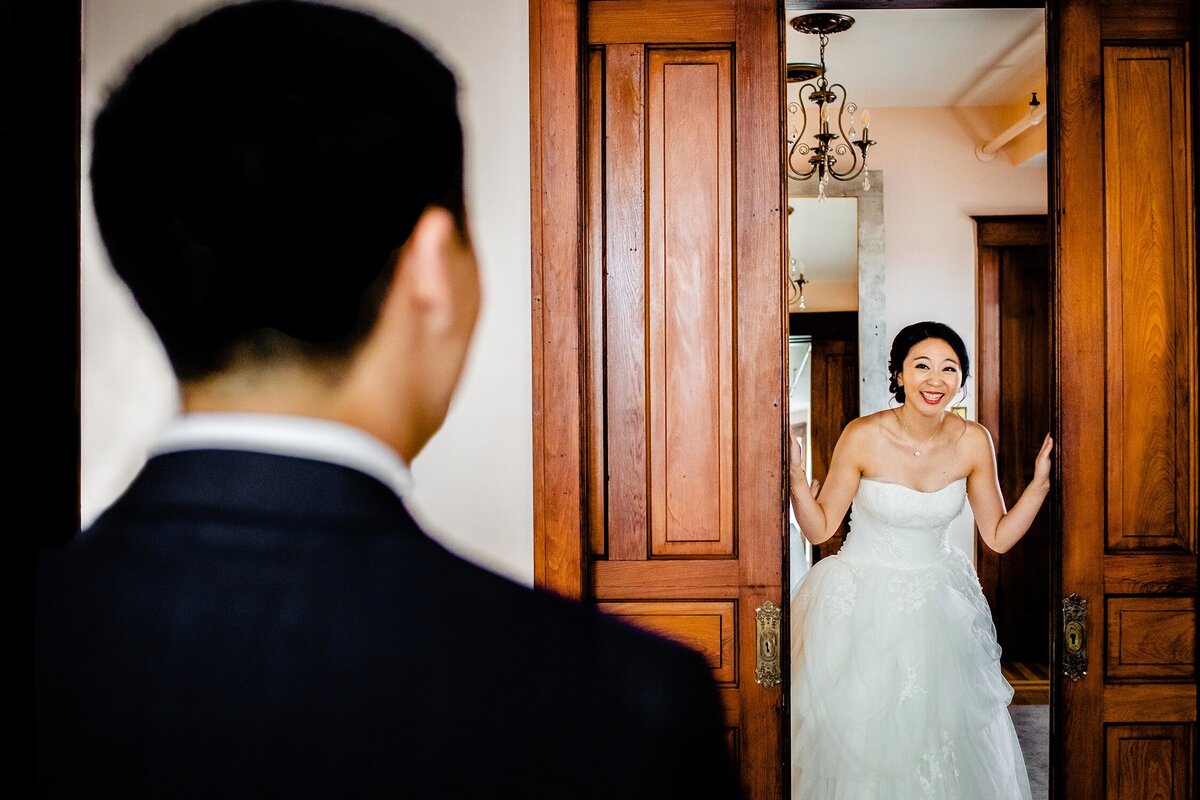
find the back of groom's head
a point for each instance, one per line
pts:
(255, 175)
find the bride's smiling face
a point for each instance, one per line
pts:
(931, 377)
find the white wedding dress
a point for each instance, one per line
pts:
(896, 684)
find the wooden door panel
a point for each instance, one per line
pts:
(709, 628)
(622, 391)
(685, 349)
(1147, 703)
(593, 320)
(1126, 331)
(1146, 205)
(1147, 761)
(663, 579)
(690, 290)
(1150, 639)
(656, 22)
(668, 333)
(1148, 573)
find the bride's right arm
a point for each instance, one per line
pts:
(821, 513)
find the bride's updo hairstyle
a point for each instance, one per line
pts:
(912, 335)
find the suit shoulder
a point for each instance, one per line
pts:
(575, 627)
(555, 615)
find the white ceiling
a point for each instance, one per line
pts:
(932, 57)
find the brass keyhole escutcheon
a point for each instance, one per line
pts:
(1074, 632)
(767, 671)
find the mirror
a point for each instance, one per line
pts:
(823, 254)
(821, 237)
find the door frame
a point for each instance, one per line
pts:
(992, 233)
(557, 34)
(556, 28)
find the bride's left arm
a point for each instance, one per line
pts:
(1000, 529)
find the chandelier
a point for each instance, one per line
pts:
(824, 155)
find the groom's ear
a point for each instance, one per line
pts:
(422, 283)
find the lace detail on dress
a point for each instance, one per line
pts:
(803, 598)
(938, 767)
(911, 590)
(840, 601)
(911, 688)
(890, 547)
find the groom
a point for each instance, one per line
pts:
(280, 186)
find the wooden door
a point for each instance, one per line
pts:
(1015, 389)
(660, 329)
(1122, 84)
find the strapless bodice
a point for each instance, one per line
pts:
(897, 526)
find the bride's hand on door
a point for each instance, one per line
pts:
(798, 477)
(1041, 465)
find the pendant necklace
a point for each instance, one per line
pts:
(908, 433)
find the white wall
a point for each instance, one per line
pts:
(935, 184)
(474, 481)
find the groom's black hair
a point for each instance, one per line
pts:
(255, 174)
(911, 335)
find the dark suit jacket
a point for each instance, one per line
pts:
(255, 625)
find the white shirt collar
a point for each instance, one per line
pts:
(283, 435)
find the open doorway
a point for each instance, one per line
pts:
(948, 93)
(1014, 307)
(1013, 367)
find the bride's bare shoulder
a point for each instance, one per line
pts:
(879, 419)
(869, 424)
(975, 437)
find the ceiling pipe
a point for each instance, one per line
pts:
(1035, 114)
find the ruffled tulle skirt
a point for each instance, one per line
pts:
(896, 686)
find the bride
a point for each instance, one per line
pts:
(897, 691)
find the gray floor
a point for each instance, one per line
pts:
(1033, 729)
